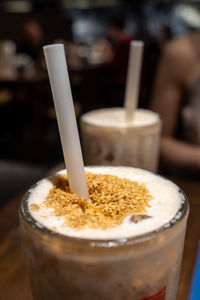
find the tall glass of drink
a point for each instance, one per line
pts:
(108, 139)
(125, 242)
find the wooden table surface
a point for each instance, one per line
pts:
(14, 282)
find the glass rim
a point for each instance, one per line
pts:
(129, 127)
(40, 228)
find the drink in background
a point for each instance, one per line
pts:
(138, 259)
(109, 140)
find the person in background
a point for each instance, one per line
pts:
(33, 39)
(176, 98)
(115, 50)
(121, 44)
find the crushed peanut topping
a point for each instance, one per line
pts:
(34, 207)
(54, 228)
(111, 200)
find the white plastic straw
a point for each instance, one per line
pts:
(61, 90)
(133, 79)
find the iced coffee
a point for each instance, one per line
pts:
(124, 242)
(108, 139)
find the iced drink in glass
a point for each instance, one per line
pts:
(109, 140)
(126, 242)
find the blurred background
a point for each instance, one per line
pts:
(29, 138)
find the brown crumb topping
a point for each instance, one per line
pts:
(43, 216)
(34, 207)
(54, 228)
(111, 200)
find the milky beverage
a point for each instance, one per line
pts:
(109, 140)
(164, 205)
(135, 260)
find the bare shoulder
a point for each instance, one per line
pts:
(179, 51)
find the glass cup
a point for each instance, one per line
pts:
(131, 146)
(141, 268)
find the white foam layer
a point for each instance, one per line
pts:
(115, 117)
(164, 206)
